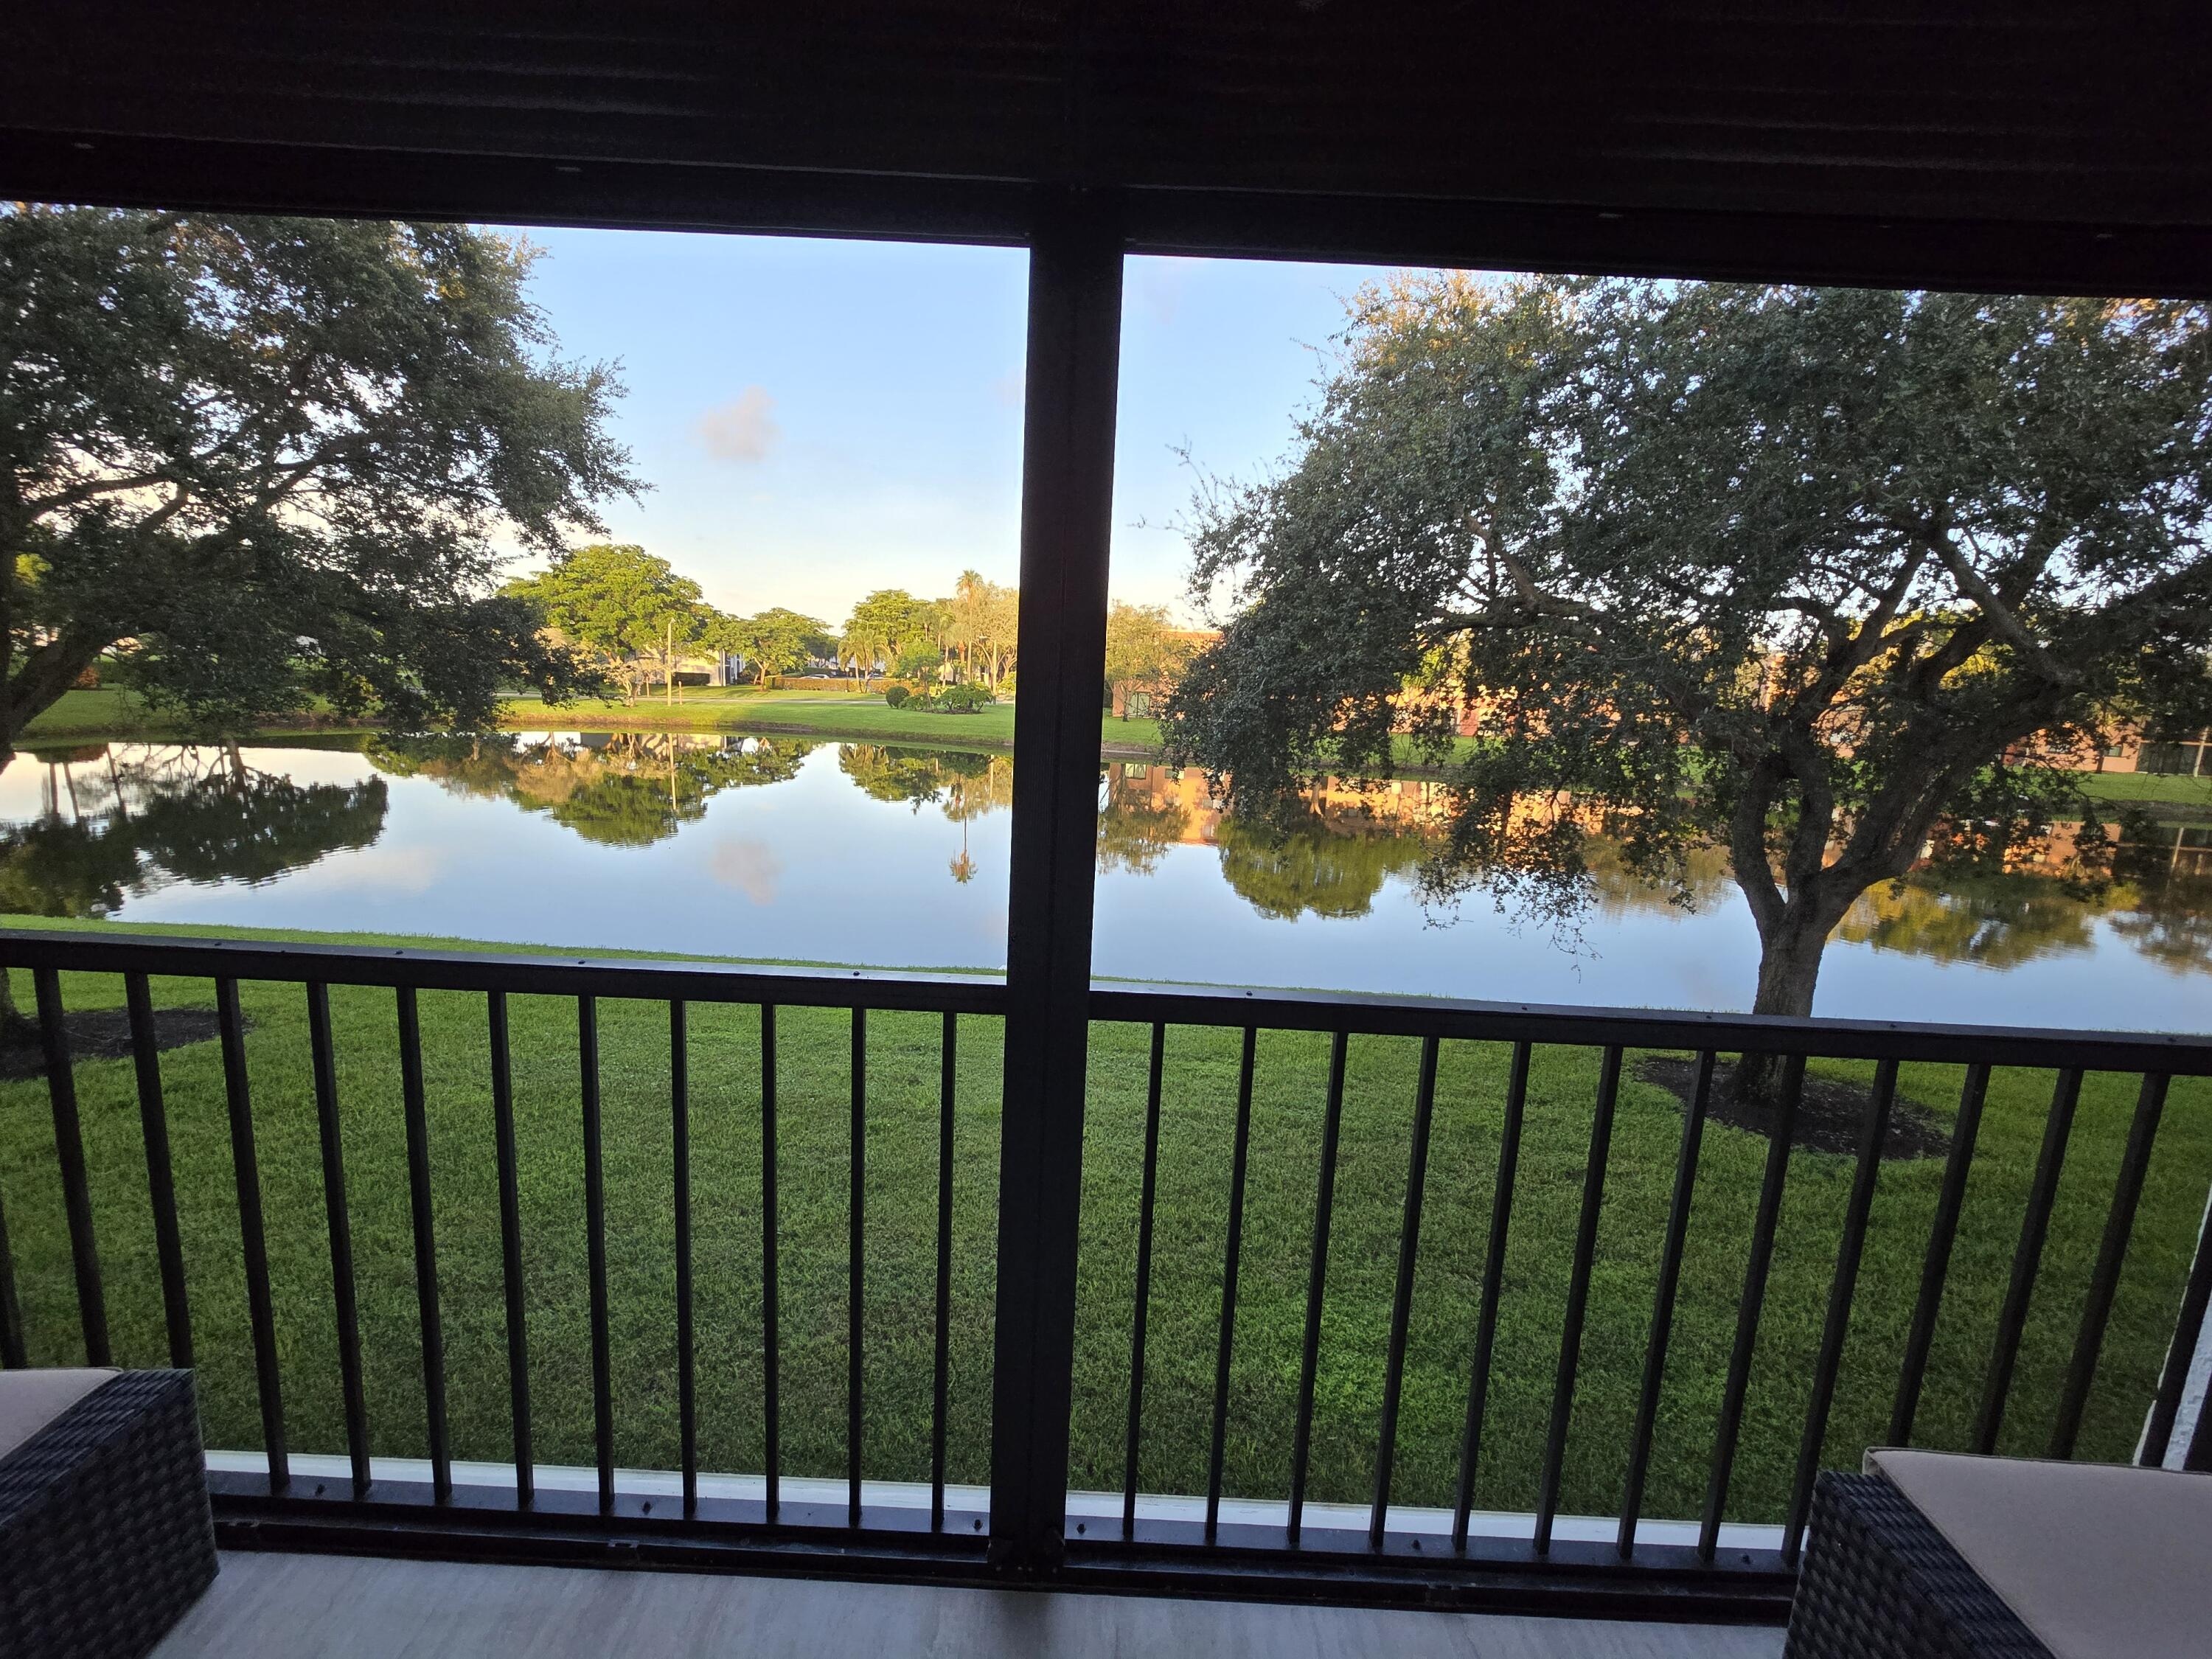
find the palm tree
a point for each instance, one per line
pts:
(970, 606)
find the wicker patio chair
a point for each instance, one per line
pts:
(105, 1534)
(1931, 1555)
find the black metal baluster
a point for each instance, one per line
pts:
(771, 1365)
(11, 1312)
(1144, 1281)
(1218, 1447)
(2180, 1355)
(855, 1276)
(343, 1302)
(1662, 1305)
(426, 1244)
(69, 1151)
(595, 1232)
(1493, 1273)
(231, 1027)
(1570, 1333)
(2012, 1319)
(1779, 1130)
(2112, 1254)
(1857, 1208)
(160, 1172)
(510, 1245)
(679, 1110)
(1316, 1278)
(1935, 1269)
(1402, 1300)
(948, 1068)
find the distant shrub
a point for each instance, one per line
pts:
(896, 697)
(961, 699)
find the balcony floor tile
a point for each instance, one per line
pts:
(311, 1607)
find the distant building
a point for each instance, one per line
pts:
(709, 668)
(1140, 699)
(2165, 751)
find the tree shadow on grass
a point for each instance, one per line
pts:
(105, 1034)
(1831, 1112)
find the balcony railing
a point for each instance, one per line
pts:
(1225, 1536)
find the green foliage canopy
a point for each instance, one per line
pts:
(1786, 570)
(776, 641)
(1144, 647)
(627, 608)
(266, 461)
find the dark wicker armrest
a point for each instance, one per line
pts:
(105, 1534)
(1881, 1582)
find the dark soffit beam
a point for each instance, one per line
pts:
(221, 175)
(1990, 256)
(1900, 251)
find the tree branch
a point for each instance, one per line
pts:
(2007, 624)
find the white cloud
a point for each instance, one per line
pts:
(1159, 286)
(743, 429)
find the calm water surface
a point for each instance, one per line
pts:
(852, 852)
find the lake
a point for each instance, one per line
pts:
(788, 849)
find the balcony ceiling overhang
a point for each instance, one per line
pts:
(2061, 144)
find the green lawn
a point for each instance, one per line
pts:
(2148, 789)
(111, 713)
(828, 713)
(1193, 1166)
(108, 711)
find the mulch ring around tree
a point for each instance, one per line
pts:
(105, 1034)
(1831, 1112)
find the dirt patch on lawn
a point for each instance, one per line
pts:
(1831, 1114)
(105, 1034)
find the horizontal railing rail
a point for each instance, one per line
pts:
(536, 974)
(1225, 1538)
(1361, 1014)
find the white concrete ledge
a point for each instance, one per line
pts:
(976, 1500)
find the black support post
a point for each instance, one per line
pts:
(1067, 479)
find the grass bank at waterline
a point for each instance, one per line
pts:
(1196, 1134)
(109, 714)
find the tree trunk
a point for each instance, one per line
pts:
(17, 1029)
(1789, 970)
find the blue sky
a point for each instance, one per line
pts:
(822, 418)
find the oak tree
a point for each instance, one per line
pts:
(254, 464)
(1802, 573)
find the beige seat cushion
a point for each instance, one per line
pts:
(2101, 1560)
(31, 1400)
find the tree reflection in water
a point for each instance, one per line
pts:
(120, 821)
(2156, 894)
(963, 785)
(615, 789)
(1314, 870)
(123, 820)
